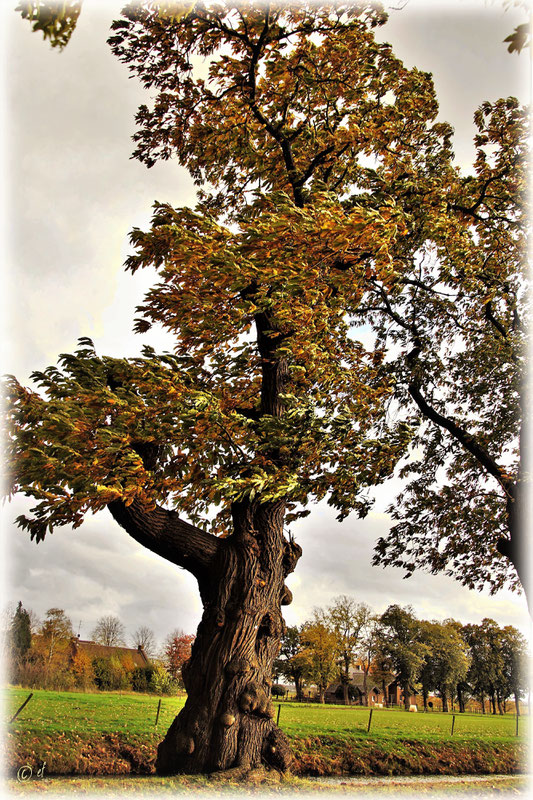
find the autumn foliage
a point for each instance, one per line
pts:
(177, 652)
(329, 205)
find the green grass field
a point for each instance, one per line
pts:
(99, 712)
(75, 712)
(115, 733)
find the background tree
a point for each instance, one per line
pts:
(347, 618)
(382, 671)
(268, 400)
(144, 637)
(177, 651)
(496, 664)
(462, 688)
(288, 664)
(456, 315)
(8, 612)
(35, 622)
(402, 647)
(479, 653)
(20, 632)
(445, 663)
(110, 674)
(82, 669)
(319, 655)
(51, 649)
(486, 675)
(368, 649)
(516, 664)
(109, 631)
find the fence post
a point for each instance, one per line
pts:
(369, 720)
(157, 715)
(453, 724)
(26, 701)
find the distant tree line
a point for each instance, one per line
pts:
(482, 664)
(459, 664)
(43, 654)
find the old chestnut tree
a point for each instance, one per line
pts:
(322, 172)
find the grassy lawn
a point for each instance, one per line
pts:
(115, 733)
(76, 712)
(309, 720)
(109, 712)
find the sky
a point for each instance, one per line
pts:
(72, 194)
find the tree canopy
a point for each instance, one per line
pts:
(20, 631)
(109, 631)
(201, 410)
(328, 200)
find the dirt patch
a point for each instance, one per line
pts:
(409, 757)
(117, 754)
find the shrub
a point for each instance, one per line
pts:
(141, 677)
(28, 673)
(59, 680)
(161, 682)
(82, 669)
(109, 674)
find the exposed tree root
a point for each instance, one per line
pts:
(250, 775)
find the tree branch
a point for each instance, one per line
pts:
(462, 436)
(489, 316)
(165, 534)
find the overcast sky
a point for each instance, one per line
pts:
(73, 194)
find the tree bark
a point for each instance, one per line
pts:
(460, 699)
(227, 720)
(365, 687)
(345, 679)
(406, 699)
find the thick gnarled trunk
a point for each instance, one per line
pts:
(227, 720)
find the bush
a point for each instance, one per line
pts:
(59, 680)
(109, 674)
(28, 673)
(141, 677)
(34, 672)
(278, 690)
(161, 682)
(82, 669)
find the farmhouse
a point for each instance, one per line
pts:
(393, 692)
(94, 650)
